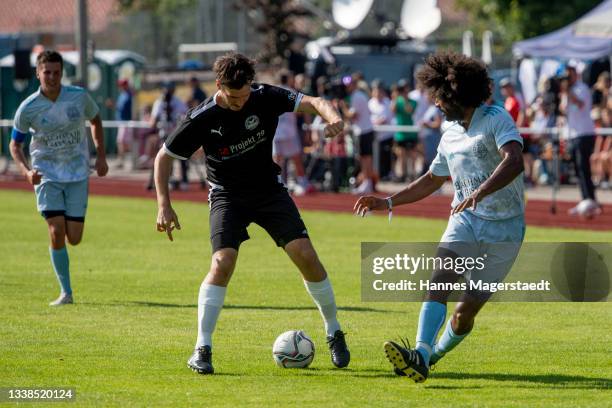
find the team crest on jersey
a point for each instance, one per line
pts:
(251, 122)
(291, 96)
(73, 113)
(480, 150)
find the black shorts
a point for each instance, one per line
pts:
(231, 213)
(366, 141)
(407, 144)
(60, 213)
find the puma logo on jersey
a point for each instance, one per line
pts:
(217, 131)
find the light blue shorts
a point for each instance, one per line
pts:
(498, 242)
(54, 198)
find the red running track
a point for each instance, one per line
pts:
(537, 213)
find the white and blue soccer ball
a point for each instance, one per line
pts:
(293, 349)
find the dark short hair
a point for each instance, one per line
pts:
(455, 78)
(49, 56)
(234, 70)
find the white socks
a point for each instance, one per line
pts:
(323, 296)
(211, 298)
(210, 302)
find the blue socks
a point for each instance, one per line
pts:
(60, 262)
(448, 341)
(431, 320)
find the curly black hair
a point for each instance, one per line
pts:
(455, 78)
(234, 70)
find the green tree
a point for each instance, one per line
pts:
(278, 22)
(165, 17)
(519, 19)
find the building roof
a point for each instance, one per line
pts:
(57, 16)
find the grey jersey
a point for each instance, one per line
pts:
(470, 156)
(59, 147)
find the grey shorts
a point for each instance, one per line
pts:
(56, 198)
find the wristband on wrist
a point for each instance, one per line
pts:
(390, 207)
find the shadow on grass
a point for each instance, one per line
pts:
(550, 380)
(239, 307)
(539, 381)
(329, 371)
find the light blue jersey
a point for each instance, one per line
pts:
(59, 147)
(470, 156)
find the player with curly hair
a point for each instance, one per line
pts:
(480, 151)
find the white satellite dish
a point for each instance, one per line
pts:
(420, 18)
(349, 14)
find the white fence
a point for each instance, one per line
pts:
(135, 124)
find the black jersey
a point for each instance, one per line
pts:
(237, 144)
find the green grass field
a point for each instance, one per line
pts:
(126, 341)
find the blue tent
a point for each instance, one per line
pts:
(568, 43)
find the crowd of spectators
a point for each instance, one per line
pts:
(575, 153)
(367, 154)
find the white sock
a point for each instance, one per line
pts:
(323, 296)
(210, 302)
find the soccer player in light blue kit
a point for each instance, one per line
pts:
(56, 115)
(481, 151)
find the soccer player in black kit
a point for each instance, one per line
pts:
(235, 127)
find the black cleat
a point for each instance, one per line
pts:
(406, 361)
(340, 354)
(201, 360)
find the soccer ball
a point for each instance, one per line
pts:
(293, 349)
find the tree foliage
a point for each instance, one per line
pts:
(278, 22)
(156, 6)
(519, 19)
(164, 17)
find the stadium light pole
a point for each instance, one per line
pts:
(81, 41)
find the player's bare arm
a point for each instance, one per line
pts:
(167, 220)
(32, 175)
(324, 108)
(510, 168)
(97, 132)
(422, 187)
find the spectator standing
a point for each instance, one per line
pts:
(513, 105)
(601, 113)
(380, 114)
(405, 142)
(167, 110)
(287, 144)
(359, 114)
(123, 112)
(430, 132)
(197, 95)
(576, 105)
